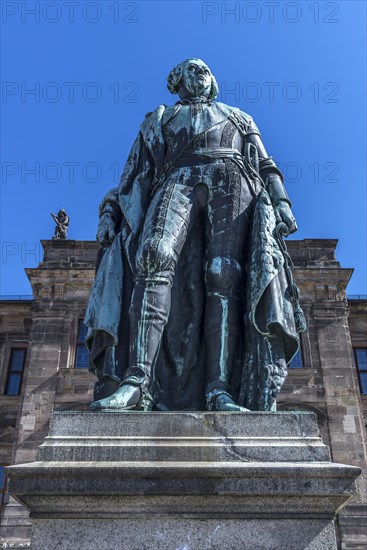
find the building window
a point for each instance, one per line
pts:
(15, 372)
(297, 361)
(2, 486)
(360, 357)
(82, 354)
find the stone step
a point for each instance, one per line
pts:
(183, 424)
(246, 488)
(179, 437)
(204, 449)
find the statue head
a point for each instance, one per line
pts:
(62, 215)
(192, 78)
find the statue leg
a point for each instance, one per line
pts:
(222, 326)
(227, 225)
(164, 233)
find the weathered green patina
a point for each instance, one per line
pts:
(193, 302)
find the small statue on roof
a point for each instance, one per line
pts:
(62, 221)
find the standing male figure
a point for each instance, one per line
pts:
(189, 189)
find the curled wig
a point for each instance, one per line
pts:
(175, 76)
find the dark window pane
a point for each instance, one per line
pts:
(17, 359)
(82, 357)
(82, 354)
(296, 362)
(15, 372)
(82, 332)
(2, 485)
(363, 382)
(360, 355)
(13, 386)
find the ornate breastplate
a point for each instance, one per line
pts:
(224, 135)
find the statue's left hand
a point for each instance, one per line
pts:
(106, 230)
(284, 213)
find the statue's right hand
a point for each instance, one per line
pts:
(106, 230)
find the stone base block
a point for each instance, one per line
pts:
(183, 481)
(183, 534)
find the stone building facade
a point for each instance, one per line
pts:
(43, 360)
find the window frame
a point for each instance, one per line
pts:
(80, 321)
(3, 489)
(8, 373)
(358, 370)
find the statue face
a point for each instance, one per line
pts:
(196, 79)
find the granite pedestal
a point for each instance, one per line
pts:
(183, 481)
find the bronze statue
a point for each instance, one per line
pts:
(62, 221)
(193, 305)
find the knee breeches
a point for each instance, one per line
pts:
(220, 194)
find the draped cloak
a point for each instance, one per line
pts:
(268, 338)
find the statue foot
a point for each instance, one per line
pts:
(127, 397)
(104, 388)
(223, 402)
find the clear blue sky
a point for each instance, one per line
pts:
(97, 67)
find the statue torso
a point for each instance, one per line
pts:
(198, 126)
